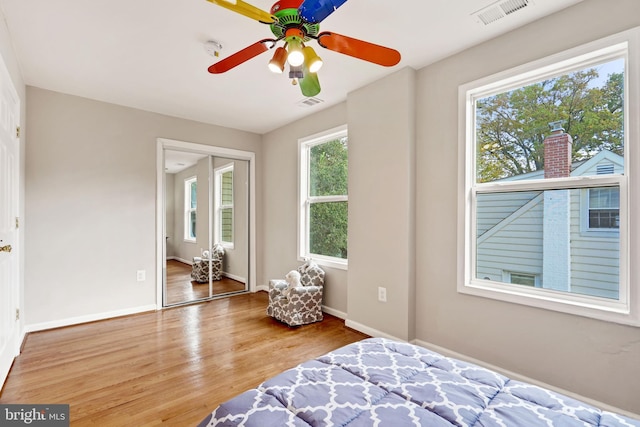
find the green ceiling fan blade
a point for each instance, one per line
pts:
(309, 84)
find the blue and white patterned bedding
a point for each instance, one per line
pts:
(379, 382)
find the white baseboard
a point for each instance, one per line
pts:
(518, 377)
(334, 312)
(88, 318)
(236, 278)
(262, 288)
(369, 331)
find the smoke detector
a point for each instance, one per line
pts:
(500, 9)
(213, 48)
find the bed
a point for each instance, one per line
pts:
(380, 382)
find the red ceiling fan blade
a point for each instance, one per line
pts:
(241, 56)
(359, 49)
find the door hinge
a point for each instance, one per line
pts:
(17, 314)
(17, 131)
(17, 222)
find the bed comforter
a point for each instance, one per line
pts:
(379, 382)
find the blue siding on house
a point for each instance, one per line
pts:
(510, 230)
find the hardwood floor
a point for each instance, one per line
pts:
(180, 287)
(170, 367)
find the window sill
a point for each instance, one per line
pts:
(327, 262)
(581, 305)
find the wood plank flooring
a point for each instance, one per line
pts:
(170, 367)
(180, 287)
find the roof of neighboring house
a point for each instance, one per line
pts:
(578, 168)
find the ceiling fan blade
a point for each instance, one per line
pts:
(247, 10)
(316, 10)
(309, 84)
(241, 56)
(359, 49)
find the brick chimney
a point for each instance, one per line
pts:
(557, 152)
(556, 222)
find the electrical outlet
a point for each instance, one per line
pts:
(382, 294)
(142, 275)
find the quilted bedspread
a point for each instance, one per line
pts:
(379, 382)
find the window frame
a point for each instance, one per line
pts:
(626, 309)
(588, 215)
(305, 200)
(218, 206)
(188, 210)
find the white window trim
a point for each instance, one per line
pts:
(304, 201)
(218, 206)
(585, 230)
(627, 309)
(188, 209)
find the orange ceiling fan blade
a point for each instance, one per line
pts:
(359, 49)
(247, 10)
(241, 56)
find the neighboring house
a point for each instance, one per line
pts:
(511, 234)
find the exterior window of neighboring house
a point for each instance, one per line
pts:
(522, 279)
(324, 200)
(604, 208)
(190, 206)
(224, 205)
(547, 182)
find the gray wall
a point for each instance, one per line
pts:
(280, 212)
(597, 359)
(381, 204)
(91, 202)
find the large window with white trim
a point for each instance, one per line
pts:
(190, 208)
(546, 155)
(324, 198)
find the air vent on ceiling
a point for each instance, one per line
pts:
(309, 102)
(500, 9)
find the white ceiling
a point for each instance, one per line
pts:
(149, 54)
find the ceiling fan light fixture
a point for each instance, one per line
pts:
(295, 57)
(311, 59)
(277, 63)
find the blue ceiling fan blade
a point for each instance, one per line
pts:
(316, 10)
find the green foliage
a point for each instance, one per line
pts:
(328, 234)
(512, 126)
(328, 219)
(328, 168)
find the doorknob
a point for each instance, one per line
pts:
(5, 248)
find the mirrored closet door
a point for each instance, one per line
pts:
(206, 226)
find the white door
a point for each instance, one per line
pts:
(9, 185)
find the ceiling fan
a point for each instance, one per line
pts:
(296, 22)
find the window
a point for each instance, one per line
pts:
(522, 279)
(190, 207)
(547, 149)
(323, 198)
(604, 208)
(224, 205)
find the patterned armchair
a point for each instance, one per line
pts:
(302, 304)
(200, 266)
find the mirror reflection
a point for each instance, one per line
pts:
(206, 226)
